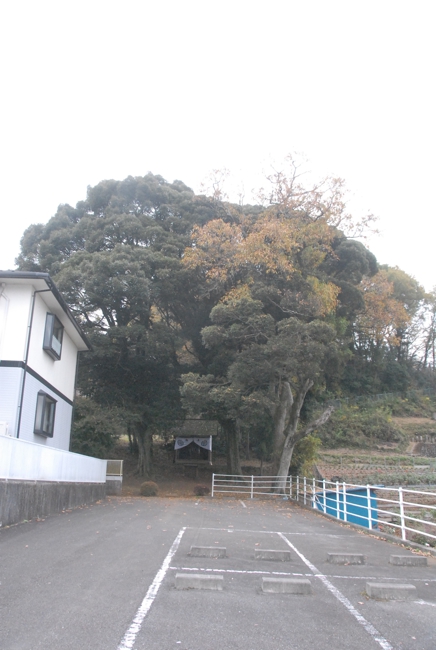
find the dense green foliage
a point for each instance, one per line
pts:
(95, 429)
(368, 423)
(354, 426)
(305, 455)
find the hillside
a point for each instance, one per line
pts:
(410, 460)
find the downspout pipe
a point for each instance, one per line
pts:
(73, 410)
(26, 359)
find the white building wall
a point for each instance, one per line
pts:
(60, 373)
(10, 383)
(15, 318)
(63, 415)
(54, 377)
(4, 308)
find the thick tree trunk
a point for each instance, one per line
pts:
(145, 450)
(133, 445)
(284, 464)
(293, 436)
(233, 459)
(280, 417)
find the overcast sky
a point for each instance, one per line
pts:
(102, 89)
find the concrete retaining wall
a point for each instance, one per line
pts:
(24, 500)
(114, 485)
(426, 449)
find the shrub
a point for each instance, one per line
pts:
(351, 426)
(201, 490)
(414, 404)
(148, 489)
(304, 456)
(423, 540)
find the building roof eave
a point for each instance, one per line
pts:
(38, 278)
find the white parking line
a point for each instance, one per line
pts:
(289, 573)
(272, 532)
(383, 643)
(242, 503)
(245, 572)
(129, 638)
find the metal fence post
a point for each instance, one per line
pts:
(314, 492)
(344, 496)
(368, 498)
(298, 488)
(252, 486)
(290, 487)
(403, 522)
(338, 512)
(304, 490)
(324, 495)
(213, 483)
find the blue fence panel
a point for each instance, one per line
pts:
(357, 509)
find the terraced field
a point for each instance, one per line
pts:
(388, 465)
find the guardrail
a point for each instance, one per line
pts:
(410, 514)
(247, 485)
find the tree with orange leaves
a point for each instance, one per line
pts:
(384, 315)
(269, 342)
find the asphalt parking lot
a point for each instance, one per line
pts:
(104, 577)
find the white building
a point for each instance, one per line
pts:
(39, 346)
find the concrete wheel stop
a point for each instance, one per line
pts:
(208, 551)
(301, 586)
(408, 560)
(199, 581)
(274, 556)
(389, 591)
(346, 558)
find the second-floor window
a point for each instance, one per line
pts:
(53, 335)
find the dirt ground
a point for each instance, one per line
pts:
(173, 479)
(174, 482)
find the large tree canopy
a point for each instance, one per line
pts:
(238, 313)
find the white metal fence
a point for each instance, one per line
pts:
(27, 461)
(410, 514)
(248, 486)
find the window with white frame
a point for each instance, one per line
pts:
(53, 335)
(45, 415)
